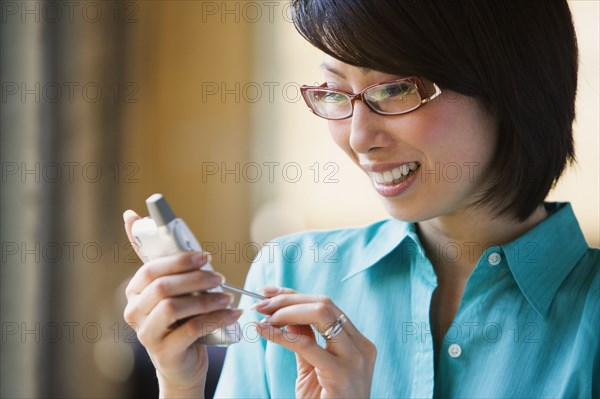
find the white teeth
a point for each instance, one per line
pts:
(389, 176)
(378, 177)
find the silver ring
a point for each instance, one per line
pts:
(335, 328)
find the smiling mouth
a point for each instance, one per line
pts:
(396, 175)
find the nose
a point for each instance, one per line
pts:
(366, 129)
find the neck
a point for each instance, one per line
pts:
(455, 242)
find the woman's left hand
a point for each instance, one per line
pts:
(344, 368)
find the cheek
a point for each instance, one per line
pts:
(460, 133)
(340, 133)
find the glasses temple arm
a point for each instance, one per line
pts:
(438, 91)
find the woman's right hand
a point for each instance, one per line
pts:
(164, 307)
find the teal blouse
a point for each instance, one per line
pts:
(528, 324)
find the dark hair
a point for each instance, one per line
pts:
(518, 57)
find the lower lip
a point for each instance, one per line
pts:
(392, 190)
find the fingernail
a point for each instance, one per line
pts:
(265, 321)
(231, 298)
(222, 281)
(260, 304)
(199, 259)
(270, 290)
(224, 300)
(235, 313)
(127, 214)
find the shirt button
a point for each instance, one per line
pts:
(494, 258)
(454, 350)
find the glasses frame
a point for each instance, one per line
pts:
(417, 81)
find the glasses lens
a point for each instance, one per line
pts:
(393, 98)
(329, 104)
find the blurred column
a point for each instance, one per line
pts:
(61, 131)
(21, 288)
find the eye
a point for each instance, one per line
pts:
(390, 91)
(331, 97)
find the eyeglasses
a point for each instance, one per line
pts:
(388, 98)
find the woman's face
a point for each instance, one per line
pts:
(451, 139)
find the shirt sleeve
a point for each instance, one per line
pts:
(244, 374)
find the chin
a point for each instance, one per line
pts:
(407, 213)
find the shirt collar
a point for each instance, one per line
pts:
(541, 259)
(379, 240)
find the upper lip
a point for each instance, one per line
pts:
(382, 167)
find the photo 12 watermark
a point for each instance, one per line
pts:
(55, 12)
(250, 92)
(72, 332)
(69, 92)
(245, 11)
(269, 172)
(472, 331)
(69, 172)
(70, 252)
(124, 252)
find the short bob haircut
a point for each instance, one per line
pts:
(518, 57)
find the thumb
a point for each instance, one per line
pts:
(294, 330)
(129, 217)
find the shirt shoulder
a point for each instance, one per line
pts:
(588, 270)
(342, 236)
(295, 260)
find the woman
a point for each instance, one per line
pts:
(461, 114)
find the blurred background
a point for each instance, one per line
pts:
(105, 102)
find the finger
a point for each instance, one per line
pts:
(346, 343)
(174, 285)
(129, 217)
(298, 341)
(320, 316)
(300, 329)
(304, 366)
(280, 297)
(197, 327)
(164, 317)
(285, 297)
(325, 311)
(172, 264)
(270, 291)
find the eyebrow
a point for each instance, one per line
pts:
(339, 73)
(332, 70)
